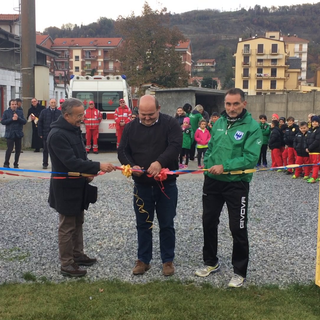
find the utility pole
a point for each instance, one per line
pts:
(28, 59)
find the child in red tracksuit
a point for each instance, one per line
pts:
(313, 147)
(202, 137)
(275, 143)
(300, 146)
(289, 134)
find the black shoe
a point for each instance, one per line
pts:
(36, 150)
(95, 152)
(73, 270)
(289, 172)
(16, 166)
(21, 151)
(84, 260)
(6, 166)
(45, 167)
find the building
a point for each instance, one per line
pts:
(295, 47)
(261, 66)
(185, 50)
(86, 56)
(10, 23)
(204, 65)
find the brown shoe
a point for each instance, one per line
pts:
(140, 267)
(73, 270)
(168, 268)
(84, 260)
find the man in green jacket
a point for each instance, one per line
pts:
(235, 144)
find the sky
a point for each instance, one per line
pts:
(59, 12)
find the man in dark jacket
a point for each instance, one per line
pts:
(14, 120)
(47, 116)
(152, 142)
(71, 196)
(33, 116)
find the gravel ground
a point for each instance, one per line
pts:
(282, 232)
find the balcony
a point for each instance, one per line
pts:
(258, 52)
(274, 51)
(246, 51)
(246, 76)
(248, 64)
(90, 57)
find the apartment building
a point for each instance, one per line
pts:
(261, 66)
(81, 56)
(205, 65)
(295, 47)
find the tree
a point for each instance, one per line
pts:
(209, 83)
(148, 54)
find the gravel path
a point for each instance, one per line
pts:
(282, 232)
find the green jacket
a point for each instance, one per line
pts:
(265, 128)
(187, 135)
(235, 145)
(195, 117)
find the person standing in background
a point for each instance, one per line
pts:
(122, 116)
(33, 116)
(92, 119)
(47, 116)
(14, 121)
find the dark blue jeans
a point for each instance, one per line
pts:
(149, 199)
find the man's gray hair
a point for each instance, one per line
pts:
(69, 104)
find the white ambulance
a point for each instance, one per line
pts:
(105, 91)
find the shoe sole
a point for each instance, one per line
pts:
(87, 264)
(73, 275)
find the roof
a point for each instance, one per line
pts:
(41, 40)
(9, 17)
(206, 61)
(294, 39)
(86, 42)
(183, 45)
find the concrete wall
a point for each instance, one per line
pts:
(298, 105)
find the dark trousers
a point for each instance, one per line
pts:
(16, 142)
(184, 152)
(70, 237)
(45, 152)
(263, 155)
(148, 199)
(200, 152)
(235, 195)
(193, 150)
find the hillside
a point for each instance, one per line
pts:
(215, 34)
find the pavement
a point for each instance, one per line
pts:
(30, 160)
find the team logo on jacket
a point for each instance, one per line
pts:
(238, 135)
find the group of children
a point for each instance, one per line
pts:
(199, 134)
(292, 144)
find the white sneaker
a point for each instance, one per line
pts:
(236, 281)
(204, 272)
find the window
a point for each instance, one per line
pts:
(87, 54)
(246, 48)
(245, 84)
(99, 63)
(273, 84)
(259, 72)
(273, 72)
(76, 58)
(274, 48)
(246, 60)
(76, 69)
(274, 62)
(259, 62)
(259, 84)
(99, 52)
(246, 72)
(260, 48)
